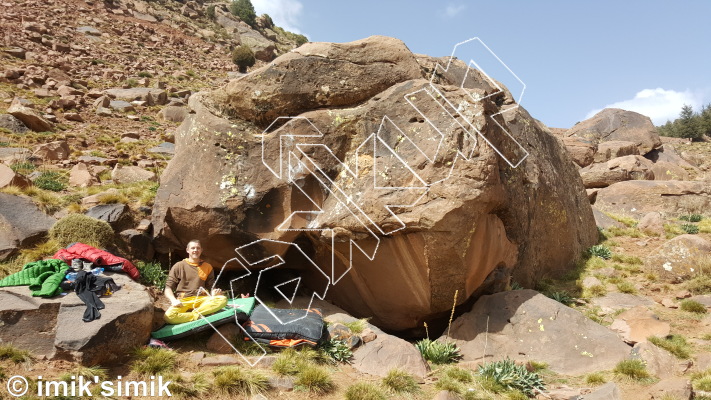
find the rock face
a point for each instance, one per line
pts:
(619, 125)
(31, 118)
(679, 258)
(494, 216)
(637, 324)
(524, 324)
(59, 333)
(8, 177)
(637, 198)
(22, 224)
(12, 124)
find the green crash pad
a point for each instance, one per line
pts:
(239, 308)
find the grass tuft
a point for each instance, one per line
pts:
(233, 380)
(357, 326)
(9, 352)
(153, 361)
(398, 381)
(82, 228)
(596, 378)
(675, 344)
(364, 391)
(634, 369)
(693, 306)
(315, 379)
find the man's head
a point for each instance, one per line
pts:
(194, 250)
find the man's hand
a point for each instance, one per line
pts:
(175, 302)
(216, 292)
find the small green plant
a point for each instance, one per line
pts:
(536, 366)
(338, 350)
(9, 352)
(197, 386)
(210, 11)
(314, 379)
(692, 217)
(243, 57)
(693, 306)
(131, 83)
(398, 381)
(146, 74)
(562, 297)
(595, 291)
(596, 378)
(152, 274)
(364, 391)
(601, 251)
(634, 369)
(82, 228)
(438, 352)
(626, 287)
(701, 381)
(513, 376)
(290, 361)
(675, 344)
(50, 181)
(633, 260)
(153, 361)
(357, 326)
(690, 228)
(458, 374)
(240, 381)
(22, 167)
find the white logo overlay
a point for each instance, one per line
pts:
(294, 139)
(87, 386)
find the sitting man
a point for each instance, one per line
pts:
(188, 279)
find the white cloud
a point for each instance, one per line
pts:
(284, 13)
(658, 104)
(453, 10)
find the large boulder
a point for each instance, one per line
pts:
(525, 325)
(616, 148)
(619, 125)
(616, 170)
(22, 224)
(29, 117)
(54, 328)
(151, 96)
(679, 258)
(12, 124)
(581, 150)
(479, 222)
(8, 177)
(637, 198)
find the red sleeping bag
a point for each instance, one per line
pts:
(98, 257)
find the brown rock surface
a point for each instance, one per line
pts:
(52, 151)
(524, 324)
(131, 174)
(31, 118)
(22, 224)
(581, 150)
(679, 258)
(234, 199)
(612, 124)
(81, 176)
(652, 223)
(8, 177)
(606, 151)
(666, 171)
(637, 324)
(636, 198)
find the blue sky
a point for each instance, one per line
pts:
(574, 57)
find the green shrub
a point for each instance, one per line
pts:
(357, 326)
(197, 386)
(601, 251)
(240, 381)
(337, 350)
(692, 217)
(626, 287)
(596, 378)
(152, 274)
(398, 381)
(8, 352)
(438, 352)
(243, 57)
(693, 306)
(50, 181)
(634, 369)
(153, 361)
(690, 228)
(314, 379)
(210, 11)
(364, 391)
(290, 362)
(675, 344)
(82, 228)
(23, 168)
(512, 376)
(244, 10)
